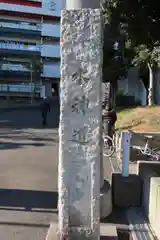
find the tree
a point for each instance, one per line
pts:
(117, 59)
(138, 20)
(1, 62)
(37, 66)
(149, 57)
(116, 54)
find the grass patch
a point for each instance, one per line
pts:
(140, 119)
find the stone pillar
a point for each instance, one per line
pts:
(87, 4)
(80, 125)
(105, 195)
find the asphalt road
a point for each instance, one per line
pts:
(28, 174)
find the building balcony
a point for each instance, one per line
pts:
(19, 88)
(17, 72)
(9, 32)
(9, 47)
(15, 75)
(13, 67)
(10, 28)
(20, 25)
(20, 72)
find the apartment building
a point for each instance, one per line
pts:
(29, 48)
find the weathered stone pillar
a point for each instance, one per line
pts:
(80, 124)
(105, 196)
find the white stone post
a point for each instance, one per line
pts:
(126, 138)
(80, 123)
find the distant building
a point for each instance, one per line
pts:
(29, 29)
(134, 86)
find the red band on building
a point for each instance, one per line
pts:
(23, 2)
(29, 15)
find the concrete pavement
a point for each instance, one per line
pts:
(28, 174)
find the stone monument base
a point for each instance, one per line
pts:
(105, 200)
(127, 191)
(107, 232)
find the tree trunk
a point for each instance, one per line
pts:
(151, 82)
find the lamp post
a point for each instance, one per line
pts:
(31, 72)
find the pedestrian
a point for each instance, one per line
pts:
(45, 108)
(109, 120)
(112, 117)
(109, 115)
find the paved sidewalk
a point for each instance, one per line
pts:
(28, 184)
(5, 108)
(28, 174)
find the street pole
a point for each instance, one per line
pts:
(31, 83)
(41, 82)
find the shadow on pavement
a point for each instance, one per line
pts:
(18, 136)
(33, 225)
(28, 200)
(117, 216)
(14, 145)
(29, 118)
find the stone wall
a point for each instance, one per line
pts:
(149, 172)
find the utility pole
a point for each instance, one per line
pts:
(31, 72)
(41, 61)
